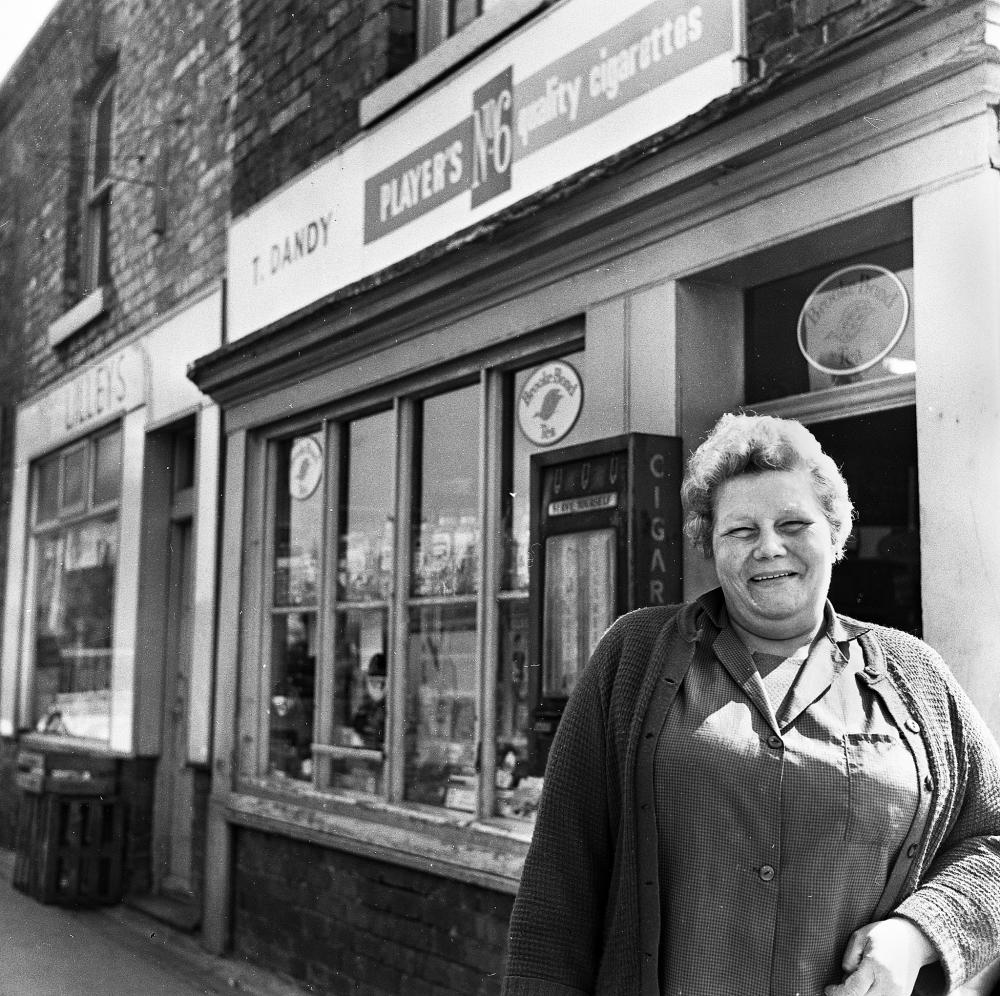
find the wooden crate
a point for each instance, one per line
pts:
(62, 771)
(70, 849)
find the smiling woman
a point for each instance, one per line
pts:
(755, 769)
(773, 511)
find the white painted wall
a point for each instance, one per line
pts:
(124, 680)
(956, 264)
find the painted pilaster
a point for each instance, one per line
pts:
(956, 262)
(217, 910)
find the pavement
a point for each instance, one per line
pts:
(111, 951)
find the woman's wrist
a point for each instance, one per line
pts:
(923, 947)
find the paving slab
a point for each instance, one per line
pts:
(111, 951)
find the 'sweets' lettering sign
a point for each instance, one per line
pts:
(579, 83)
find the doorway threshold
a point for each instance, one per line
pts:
(180, 913)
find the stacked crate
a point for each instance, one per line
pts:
(70, 834)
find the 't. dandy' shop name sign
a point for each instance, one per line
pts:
(584, 80)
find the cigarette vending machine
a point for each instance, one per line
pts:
(605, 539)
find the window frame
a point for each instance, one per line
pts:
(491, 370)
(436, 22)
(95, 254)
(65, 519)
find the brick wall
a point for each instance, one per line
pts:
(782, 31)
(175, 82)
(346, 924)
(305, 64)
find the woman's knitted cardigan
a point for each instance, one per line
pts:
(577, 919)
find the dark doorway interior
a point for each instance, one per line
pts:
(879, 578)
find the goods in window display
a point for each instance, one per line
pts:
(441, 742)
(369, 719)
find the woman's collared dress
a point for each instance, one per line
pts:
(781, 830)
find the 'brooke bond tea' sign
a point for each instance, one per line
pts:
(584, 80)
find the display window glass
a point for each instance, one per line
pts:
(360, 700)
(517, 507)
(441, 724)
(851, 325)
(107, 468)
(75, 566)
(295, 564)
(446, 532)
(366, 538)
(516, 793)
(47, 486)
(850, 313)
(390, 657)
(74, 480)
(364, 586)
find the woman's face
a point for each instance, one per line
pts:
(773, 553)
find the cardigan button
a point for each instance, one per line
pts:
(928, 782)
(912, 725)
(911, 850)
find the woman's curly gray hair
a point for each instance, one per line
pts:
(751, 444)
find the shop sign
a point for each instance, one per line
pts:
(549, 403)
(579, 83)
(92, 397)
(305, 468)
(102, 389)
(589, 503)
(853, 319)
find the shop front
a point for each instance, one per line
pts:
(385, 669)
(109, 624)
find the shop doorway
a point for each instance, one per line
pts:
(879, 578)
(174, 806)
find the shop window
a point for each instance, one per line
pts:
(95, 268)
(442, 678)
(364, 587)
(107, 468)
(516, 793)
(879, 578)
(852, 322)
(75, 536)
(440, 19)
(380, 644)
(294, 582)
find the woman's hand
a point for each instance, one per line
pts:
(883, 959)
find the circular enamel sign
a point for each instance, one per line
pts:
(305, 468)
(549, 403)
(853, 319)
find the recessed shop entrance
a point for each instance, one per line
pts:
(879, 578)
(174, 805)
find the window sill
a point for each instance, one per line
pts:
(81, 314)
(878, 394)
(446, 57)
(60, 743)
(441, 842)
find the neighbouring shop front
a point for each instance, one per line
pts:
(406, 456)
(109, 627)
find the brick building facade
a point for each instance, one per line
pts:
(382, 326)
(115, 157)
(380, 323)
